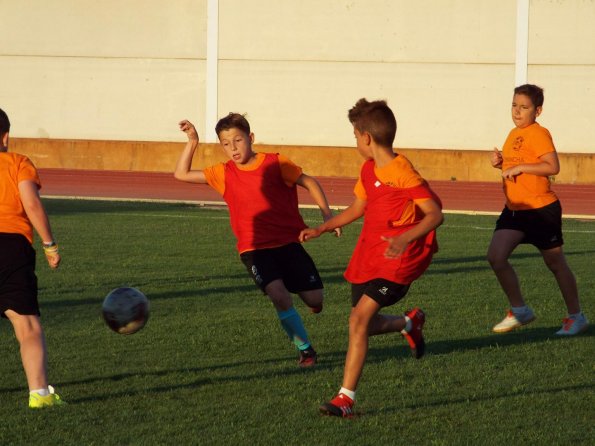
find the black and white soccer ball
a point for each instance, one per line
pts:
(125, 310)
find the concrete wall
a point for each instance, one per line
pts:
(129, 70)
(115, 70)
(429, 59)
(562, 60)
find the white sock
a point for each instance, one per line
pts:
(41, 392)
(347, 392)
(576, 316)
(407, 324)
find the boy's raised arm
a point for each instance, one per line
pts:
(348, 215)
(183, 170)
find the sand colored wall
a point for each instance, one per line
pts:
(562, 60)
(113, 70)
(439, 164)
(446, 67)
(129, 71)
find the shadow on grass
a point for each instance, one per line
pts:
(328, 362)
(442, 402)
(443, 347)
(104, 381)
(248, 287)
(332, 275)
(197, 293)
(451, 265)
(524, 336)
(58, 206)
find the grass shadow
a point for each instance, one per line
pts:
(206, 378)
(444, 347)
(475, 399)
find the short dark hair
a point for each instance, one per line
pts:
(376, 118)
(4, 123)
(233, 121)
(533, 92)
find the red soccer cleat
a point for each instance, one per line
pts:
(415, 336)
(340, 406)
(308, 358)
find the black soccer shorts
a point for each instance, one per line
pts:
(383, 291)
(290, 263)
(18, 283)
(542, 227)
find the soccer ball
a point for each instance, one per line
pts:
(125, 310)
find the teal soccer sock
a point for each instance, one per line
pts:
(293, 326)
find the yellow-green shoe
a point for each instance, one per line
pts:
(37, 401)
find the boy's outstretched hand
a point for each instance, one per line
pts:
(309, 233)
(188, 128)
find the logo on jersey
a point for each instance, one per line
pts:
(518, 143)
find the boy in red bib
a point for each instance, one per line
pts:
(260, 191)
(395, 247)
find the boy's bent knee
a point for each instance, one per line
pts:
(497, 262)
(312, 298)
(278, 294)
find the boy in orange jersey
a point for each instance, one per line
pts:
(260, 191)
(532, 213)
(21, 210)
(395, 247)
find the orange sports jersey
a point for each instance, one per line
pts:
(215, 175)
(390, 194)
(15, 168)
(262, 201)
(525, 146)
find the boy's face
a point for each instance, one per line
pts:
(237, 145)
(524, 113)
(362, 141)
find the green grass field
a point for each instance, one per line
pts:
(213, 366)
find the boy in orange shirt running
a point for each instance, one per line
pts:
(21, 210)
(532, 213)
(395, 247)
(260, 191)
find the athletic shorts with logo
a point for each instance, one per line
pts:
(542, 227)
(384, 292)
(290, 263)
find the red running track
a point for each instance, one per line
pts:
(480, 197)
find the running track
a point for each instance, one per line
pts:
(473, 197)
